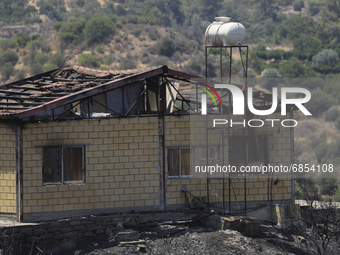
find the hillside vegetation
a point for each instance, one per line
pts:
(287, 38)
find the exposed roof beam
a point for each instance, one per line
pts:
(117, 83)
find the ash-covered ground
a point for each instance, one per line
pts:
(193, 239)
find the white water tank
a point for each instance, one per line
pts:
(224, 33)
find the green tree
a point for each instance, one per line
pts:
(9, 56)
(298, 5)
(319, 102)
(58, 25)
(108, 60)
(72, 32)
(308, 45)
(49, 67)
(58, 60)
(332, 113)
(337, 123)
(22, 39)
(326, 57)
(333, 88)
(321, 151)
(166, 46)
(97, 28)
(36, 69)
(293, 68)
(299, 26)
(41, 58)
(269, 78)
(20, 74)
(7, 70)
(196, 64)
(328, 186)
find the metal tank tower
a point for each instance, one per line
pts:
(222, 38)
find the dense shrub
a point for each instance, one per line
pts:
(332, 113)
(97, 28)
(127, 63)
(88, 60)
(166, 46)
(326, 57)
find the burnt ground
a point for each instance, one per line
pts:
(194, 239)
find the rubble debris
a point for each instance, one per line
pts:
(130, 235)
(247, 226)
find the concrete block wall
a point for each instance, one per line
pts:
(258, 189)
(121, 161)
(7, 169)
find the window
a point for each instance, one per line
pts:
(213, 153)
(63, 164)
(241, 147)
(179, 162)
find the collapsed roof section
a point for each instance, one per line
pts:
(77, 92)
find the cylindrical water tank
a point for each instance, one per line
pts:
(224, 33)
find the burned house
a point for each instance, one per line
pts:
(77, 141)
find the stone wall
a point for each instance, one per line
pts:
(46, 235)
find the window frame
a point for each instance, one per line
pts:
(180, 176)
(63, 181)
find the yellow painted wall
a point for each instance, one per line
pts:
(178, 132)
(7, 169)
(121, 163)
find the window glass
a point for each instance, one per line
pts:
(63, 164)
(52, 169)
(185, 161)
(179, 162)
